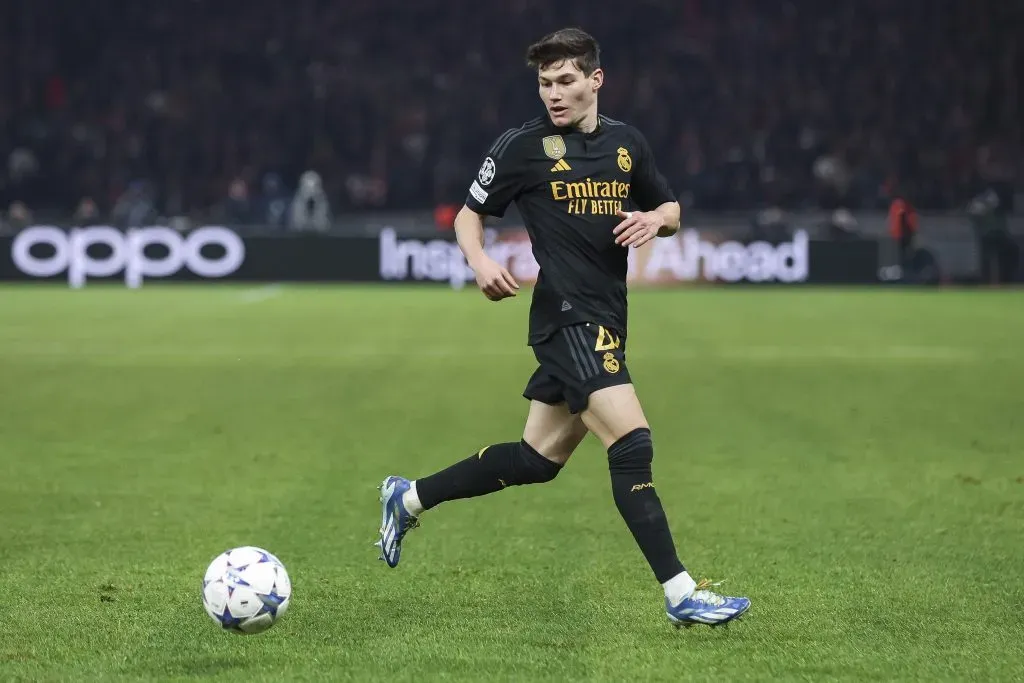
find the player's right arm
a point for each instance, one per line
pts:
(498, 182)
(494, 281)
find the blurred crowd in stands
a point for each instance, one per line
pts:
(290, 113)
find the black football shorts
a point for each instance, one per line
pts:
(575, 362)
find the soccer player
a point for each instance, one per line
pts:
(588, 189)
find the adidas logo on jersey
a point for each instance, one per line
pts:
(566, 306)
(561, 165)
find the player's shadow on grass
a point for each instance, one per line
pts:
(197, 666)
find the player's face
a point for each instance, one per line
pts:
(567, 93)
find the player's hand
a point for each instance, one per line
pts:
(494, 281)
(637, 227)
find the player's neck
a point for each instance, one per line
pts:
(588, 124)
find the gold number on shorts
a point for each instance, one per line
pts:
(606, 341)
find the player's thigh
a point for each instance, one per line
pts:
(612, 412)
(598, 385)
(553, 431)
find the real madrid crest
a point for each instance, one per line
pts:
(611, 364)
(625, 162)
(554, 146)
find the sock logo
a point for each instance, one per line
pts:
(641, 487)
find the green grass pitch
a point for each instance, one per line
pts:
(851, 460)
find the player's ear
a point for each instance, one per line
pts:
(596, 79)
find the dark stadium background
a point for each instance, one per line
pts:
(766, 117)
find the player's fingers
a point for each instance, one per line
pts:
(502, 287)
(639, 236)
(626, 234)
(623, 214)
(624, 225)
(509, 279)
(644, 239)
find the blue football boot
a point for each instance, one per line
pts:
(395, 521)
(706, 607)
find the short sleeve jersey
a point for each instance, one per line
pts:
(568, 186)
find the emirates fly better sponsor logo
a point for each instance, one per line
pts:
(100, 251)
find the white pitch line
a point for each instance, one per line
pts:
(258, 294)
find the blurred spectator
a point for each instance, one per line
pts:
(87, 212)
(997, 250)
(18, 216)
(903, 227)
(444, 216)
(272, 205)
(237, 209)
(833, 179)
(310, 208)
(134, 208)
(842, 226)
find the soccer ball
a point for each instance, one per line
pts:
(246, 590)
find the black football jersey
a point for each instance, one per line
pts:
(567, 186)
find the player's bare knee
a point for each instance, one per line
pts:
(553, 432)
(614, 412)
(557, 446)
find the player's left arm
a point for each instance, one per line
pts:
(659, 214)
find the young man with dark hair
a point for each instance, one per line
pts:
(588, 189)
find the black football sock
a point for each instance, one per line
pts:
(490, 469)
(629, 460)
